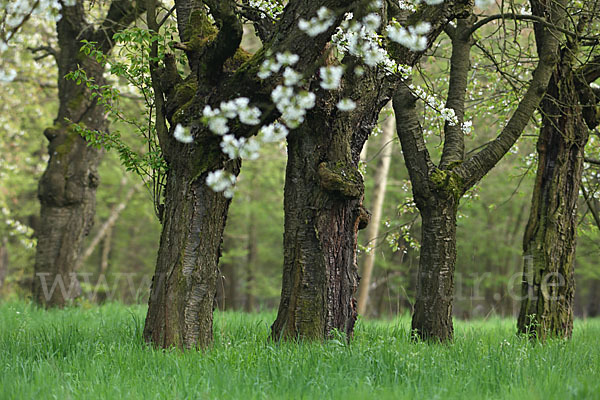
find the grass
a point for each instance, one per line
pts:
(98, 353)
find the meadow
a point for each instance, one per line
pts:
(97, 352)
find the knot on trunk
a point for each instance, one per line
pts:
(340, 178)
(448, 182)
(364, 217)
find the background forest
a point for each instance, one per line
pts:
(120, 250)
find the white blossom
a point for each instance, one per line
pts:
(372, 21)
(291, 77)
(274, 132)
(319, 24)
(287, 58)
(467, 127)
(182, 135)
(412, 37)
(346, 105)
(221, 181)
(267, 8)
(249, 115)
(449, 115)
(331, 77)
(218, 125)
(306, 100)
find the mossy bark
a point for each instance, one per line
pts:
(322, 215)
(550, 237)
(180, 308)
(323, 212)
(67, 189)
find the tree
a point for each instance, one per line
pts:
(67, 189)
(569, 113)
(437, 189)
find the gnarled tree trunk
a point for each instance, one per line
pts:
(323, 211)
(550, 237)
(323, 199)
(183, 291)
(67, 189)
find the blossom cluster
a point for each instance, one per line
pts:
(272, 9)
(412, 38)
(216, 119)
(18, 10)
(361, 40)
(448, 114)
(319, 24)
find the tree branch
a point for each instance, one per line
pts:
(416, 156)
(481, 163)
(590, 205)
(454, 143)
(225, 44)
(120, 15)
(526, 17)
(263, 23)
(162, 130)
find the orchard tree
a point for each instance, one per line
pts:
(67, 188)
(438, 188)
(569, 113)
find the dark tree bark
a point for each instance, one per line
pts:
(323, 199)
(184, 286)
(437, 189)
(67, 189)
(323, 212)
(550, 237)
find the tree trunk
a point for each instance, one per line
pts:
(323, 211)
(432, 316)
(182, 297)
(67, 189)
(372, 232)
(550, 237)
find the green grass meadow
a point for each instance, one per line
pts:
(98, 353)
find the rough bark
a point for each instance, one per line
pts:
(322, 199)
(183, 290)
(550, 237)
(67, 189)
(372, 231)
